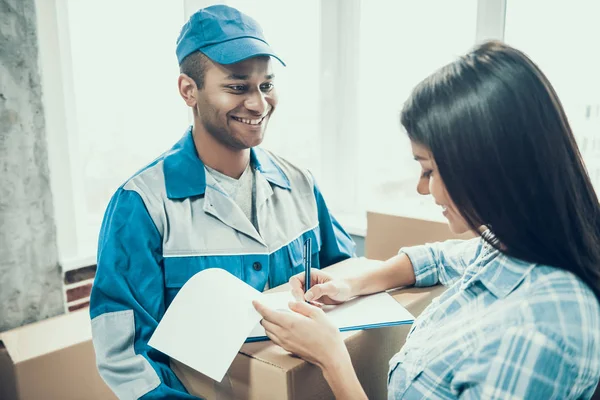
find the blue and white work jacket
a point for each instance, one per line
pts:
(172, 220)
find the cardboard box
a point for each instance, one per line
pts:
(51, 359)
(55, 359)
(387, 233)
(265, 371)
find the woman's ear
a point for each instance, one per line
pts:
(188, 90)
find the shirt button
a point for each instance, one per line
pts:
(257, 266)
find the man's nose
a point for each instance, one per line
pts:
(256, 102)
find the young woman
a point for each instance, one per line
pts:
(521, 316)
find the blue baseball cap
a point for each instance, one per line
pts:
(223, 34)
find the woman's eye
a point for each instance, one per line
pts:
(426, 174)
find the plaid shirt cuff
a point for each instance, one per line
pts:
(423, 264)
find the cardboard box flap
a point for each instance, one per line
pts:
(268, 353)
(47, 336)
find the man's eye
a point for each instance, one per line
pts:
(267, 86)
(426, 174)
(237, 88)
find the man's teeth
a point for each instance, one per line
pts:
(249, 121)
(444, 208)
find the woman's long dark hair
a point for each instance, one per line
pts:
(506, 153)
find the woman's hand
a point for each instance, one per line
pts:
(323, 288)
(307, 333)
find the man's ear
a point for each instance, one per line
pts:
(187, 90)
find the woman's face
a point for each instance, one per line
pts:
(430, 182)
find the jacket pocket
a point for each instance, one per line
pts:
(296, 251)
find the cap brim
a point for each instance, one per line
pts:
(237, 50)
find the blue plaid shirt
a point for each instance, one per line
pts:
(505, 329)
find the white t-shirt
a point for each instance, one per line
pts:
(241, 190)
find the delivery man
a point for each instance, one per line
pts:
(214, 200)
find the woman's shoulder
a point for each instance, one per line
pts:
(559, 303)
(558, 285)
(553, 317)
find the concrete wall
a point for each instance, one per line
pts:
(30, 277)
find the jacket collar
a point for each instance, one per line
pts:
(185, 175)
(266, 165)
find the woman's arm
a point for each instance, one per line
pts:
(343, 381)
(395, 272)
(425, 265)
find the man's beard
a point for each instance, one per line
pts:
(223, 136)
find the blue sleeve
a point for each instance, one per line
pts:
(127, 302)
(336, 244)
(442, 262)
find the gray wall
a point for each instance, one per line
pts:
(30, 278)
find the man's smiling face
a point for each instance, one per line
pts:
(236, 101)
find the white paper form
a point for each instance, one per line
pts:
(203, 328)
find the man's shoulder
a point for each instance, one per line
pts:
(149, 180)
(151, 177)
(144, 190)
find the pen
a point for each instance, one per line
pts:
(307, 263)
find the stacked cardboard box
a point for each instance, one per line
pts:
(51, 359)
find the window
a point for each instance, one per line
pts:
(399, 48)
(110, 72)
(127, 109)
(564, 45)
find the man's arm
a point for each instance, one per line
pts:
(127, 302)
(336, 244)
